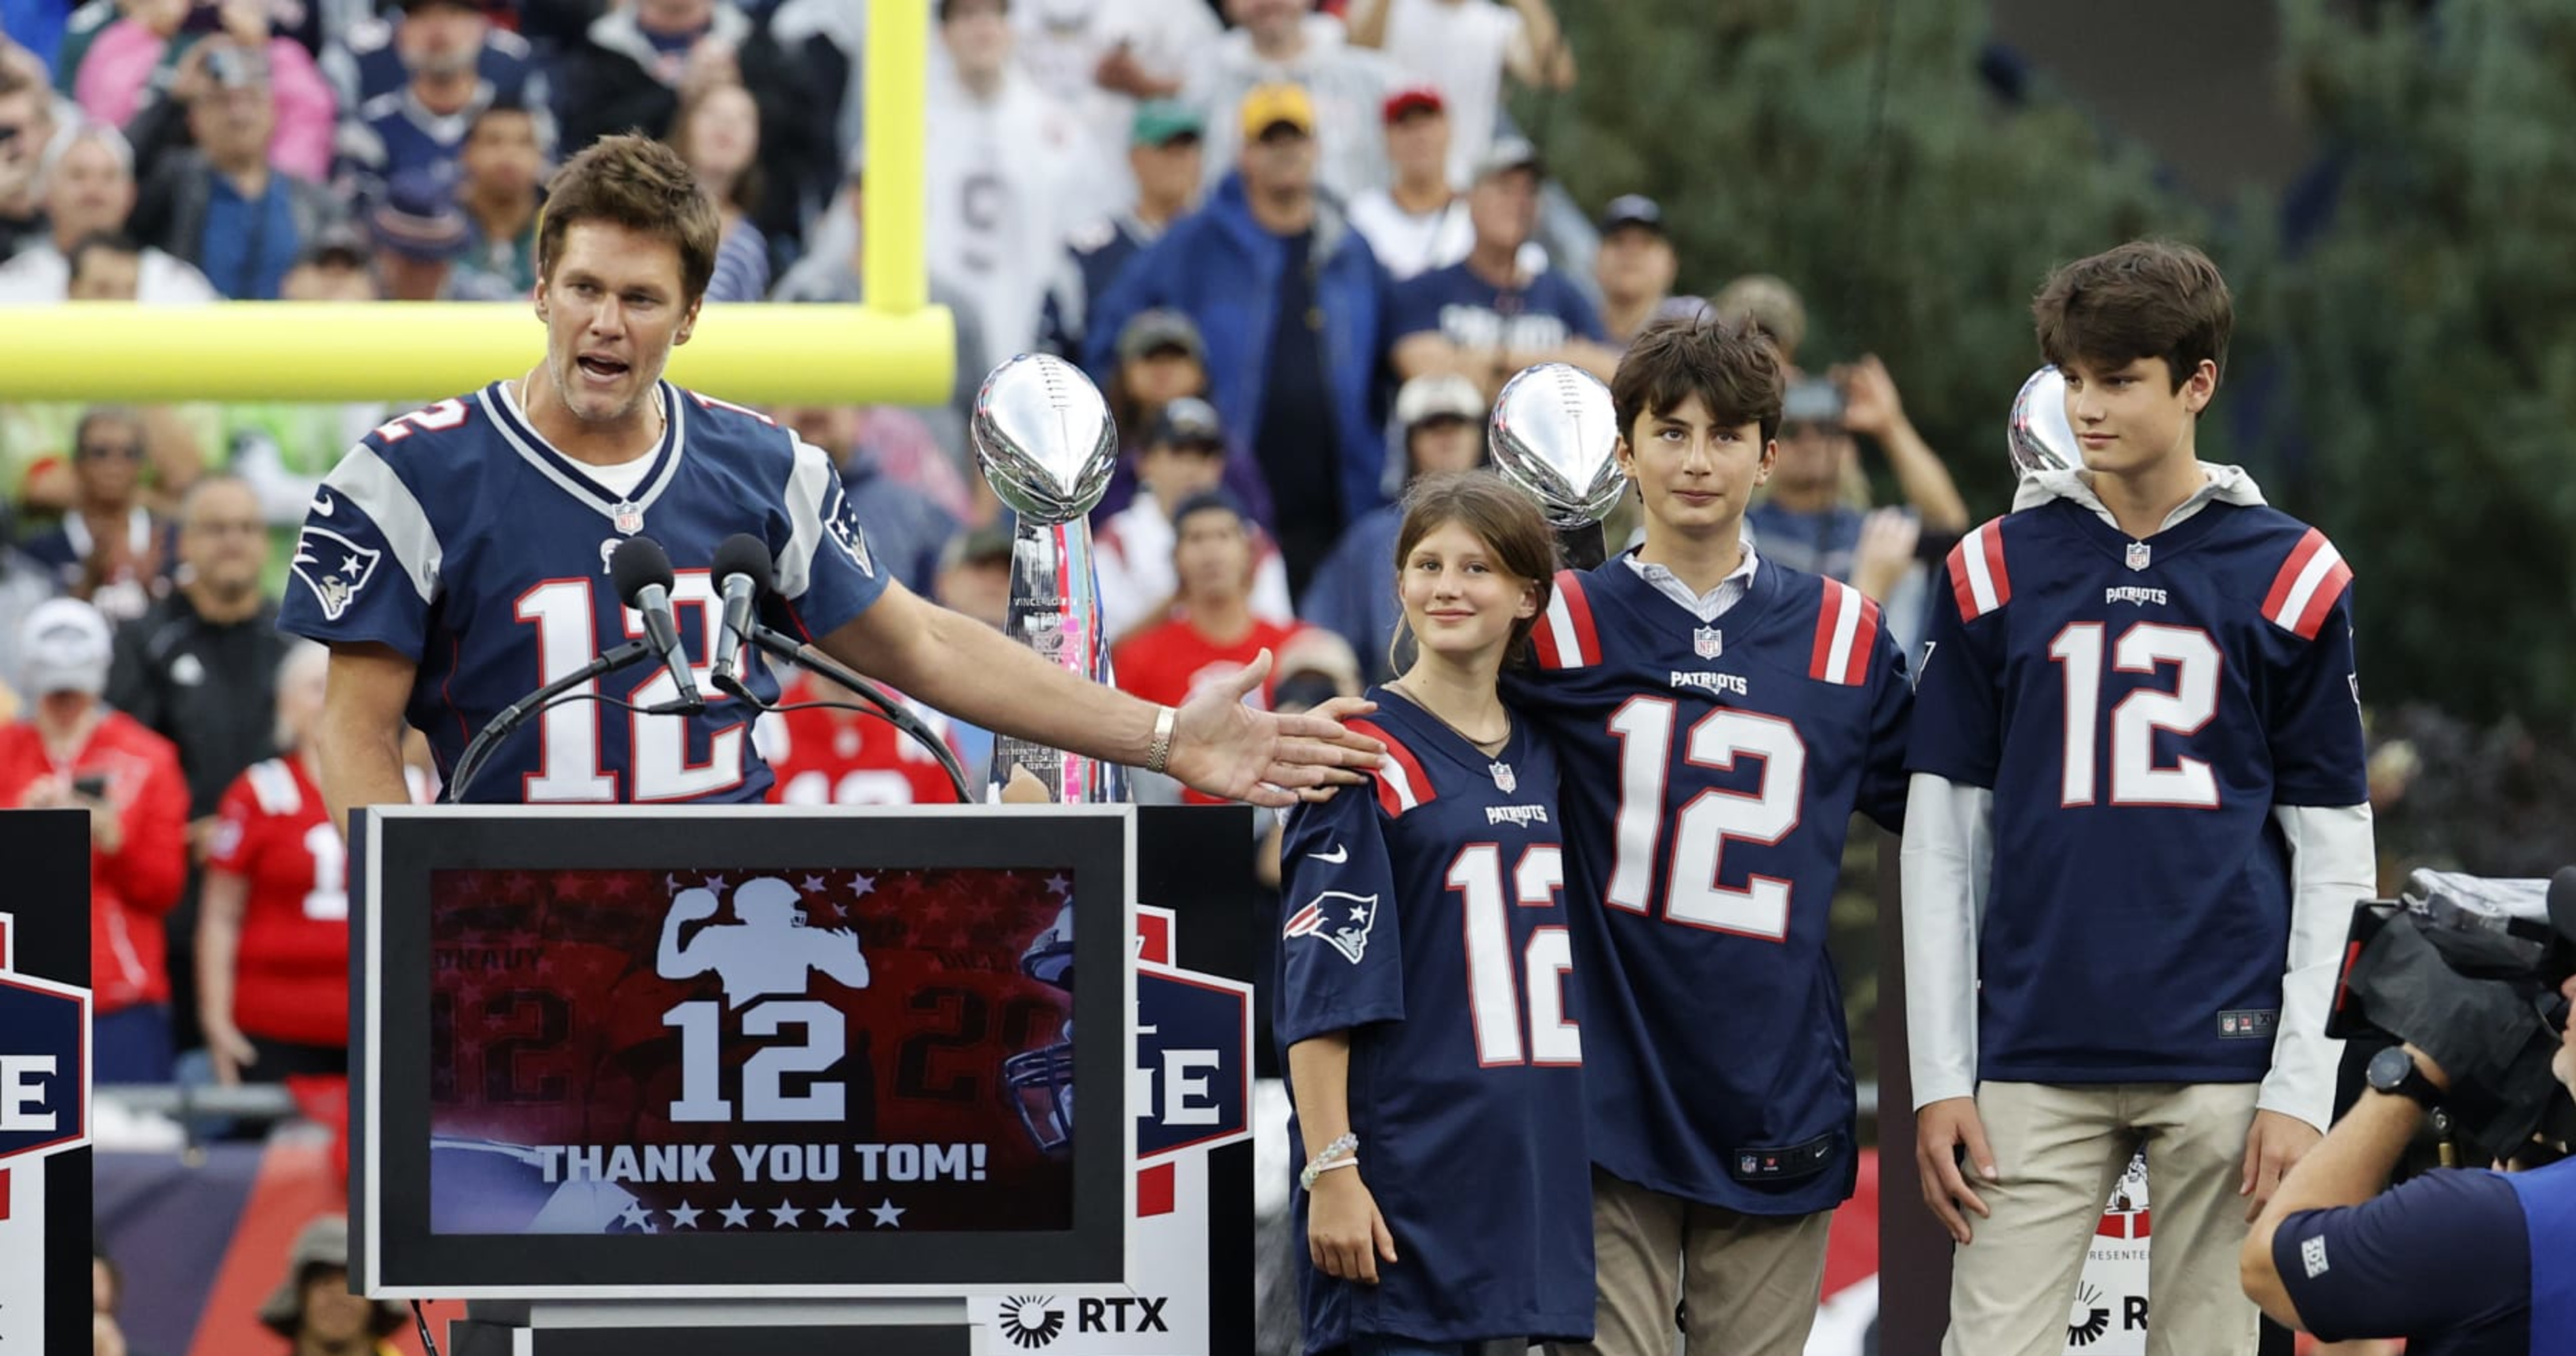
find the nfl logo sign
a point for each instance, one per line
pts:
(1504, 780)
(2227, 1023)
(628, 519)
(1707, 642)
(1748, 1165)
(2138, 554)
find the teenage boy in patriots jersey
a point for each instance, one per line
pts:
(1718, 718)
(1424, 977)
(457, 558)
(2137, 826)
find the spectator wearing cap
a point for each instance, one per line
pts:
(1285, 42)
(384, 53)
(109, 549)
(129, 79)
(90, 191)
(1161, 358)
(1488, 316)
(1183, 456)
(418, 236)
(223, 206)
(313, 1307)
(1163, 155)
(1464, 48)
(1011, 171)
(1771, 304)
(73, 751)
(906, 528)
(419, 126)
(1291, 304)
(717, 132)
(1635, 267)
(1441, 420)
(1213, 632)
(1418, 222)
(500, 181)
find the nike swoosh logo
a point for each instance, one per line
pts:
(324, 504)
(1336, 857)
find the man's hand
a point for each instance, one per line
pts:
(1871, 405)
(1345, 1233)
(56, 793)
(2272, 1146)
(231, 1052)
(1224, 748)
(2563, 1063)
(1941, 1129)
(1885, 553)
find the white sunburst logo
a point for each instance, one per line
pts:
(1029, 1323)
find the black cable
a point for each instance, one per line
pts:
(464, 773)
(420, 1318)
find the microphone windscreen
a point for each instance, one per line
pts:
(637, 564)
(743, 553)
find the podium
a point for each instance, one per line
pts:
(647, 1076)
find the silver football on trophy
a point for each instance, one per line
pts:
(1045, 437)
(1556, 436)
(2039, 438)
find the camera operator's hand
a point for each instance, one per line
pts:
(2273, 1145)
(2563, 1063)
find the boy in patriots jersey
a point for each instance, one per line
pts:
(1719, 717)
(2137, 824)
(1424, 976)
(457, 557)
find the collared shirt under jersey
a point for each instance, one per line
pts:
(1707, 606)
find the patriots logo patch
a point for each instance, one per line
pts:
(1342, 919)
(853, 542)
(334, 567)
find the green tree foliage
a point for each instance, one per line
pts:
(2428, 339)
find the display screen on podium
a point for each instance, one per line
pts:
(723, 1051)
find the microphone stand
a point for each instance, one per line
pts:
(895, 713)
(470, 763)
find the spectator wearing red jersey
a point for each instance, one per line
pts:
(74, 752)
(273, 934)
(1214, 633)
(831, 756)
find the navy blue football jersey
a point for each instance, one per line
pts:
(1711, 771)
(2138, 709)
(1466, 1079)
(459, 537)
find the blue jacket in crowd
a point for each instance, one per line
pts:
(1219, 267)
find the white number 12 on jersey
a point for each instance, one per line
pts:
(657, 746)
(1701, 829)
(2135, 777)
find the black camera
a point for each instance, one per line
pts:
(2469, 970)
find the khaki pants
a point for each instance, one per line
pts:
(1752, 1281)
(2059, 1148)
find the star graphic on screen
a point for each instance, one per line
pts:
(837, 1215)
(672, 884)
(785, 1214)
(686, 1217)
(861, 885)
(736, 1216)
(635, 1214)
(815, 885)
(888, 1215)
(1059, 884)
(618, 887)
(837, 910)
(717, 884)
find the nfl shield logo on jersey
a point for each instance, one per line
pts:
(1707, 642)
(1504, 780)
(334, 567)
(2138, 555)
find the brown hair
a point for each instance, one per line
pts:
(748, 185)
(2145, 299)
(1728, 362)
(1506, 519)
(636, 182)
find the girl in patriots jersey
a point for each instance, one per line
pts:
(2137, 826)
(1423, 995)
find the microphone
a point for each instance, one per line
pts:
(743, 574)
(641, 570)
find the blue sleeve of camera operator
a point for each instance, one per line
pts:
(2442, 1259)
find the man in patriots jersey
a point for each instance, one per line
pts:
(1424, 977)
(825, 755)
(1719, 717)
(2137, 824)
(457, 557)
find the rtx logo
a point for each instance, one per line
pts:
(1029, 1323)
(1120, 1314)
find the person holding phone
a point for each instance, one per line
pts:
(74, 752)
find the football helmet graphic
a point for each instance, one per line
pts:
(1039, 1082)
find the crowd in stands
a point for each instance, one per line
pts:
(1298, 248)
